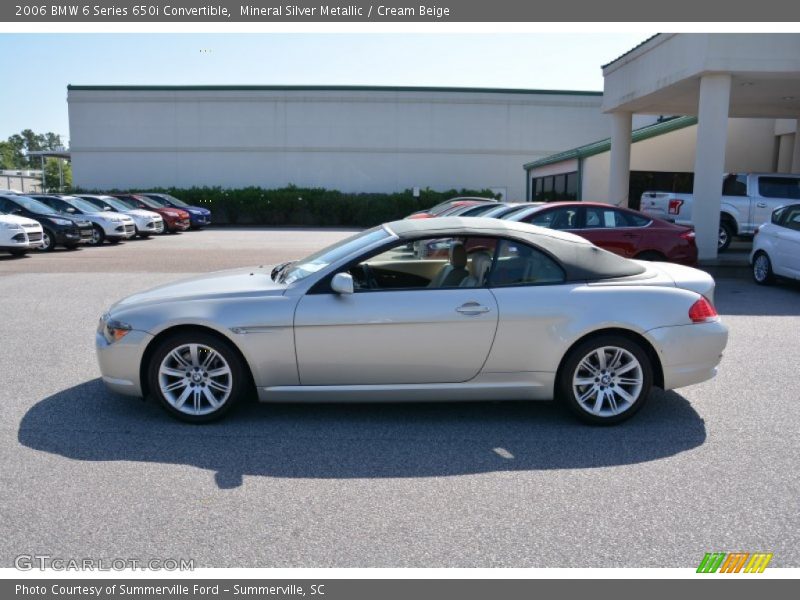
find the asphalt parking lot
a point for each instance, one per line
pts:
(85, 473)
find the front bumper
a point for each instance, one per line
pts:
(197, 221)
(119, 362)
(22, 239)
(69, 235)
(179, 224)
(689, 354)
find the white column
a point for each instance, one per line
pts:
(709, 162)
(796, 150)
(620, 169)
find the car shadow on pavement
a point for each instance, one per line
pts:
(86, 422)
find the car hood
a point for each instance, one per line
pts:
(196, 210)
(107, 214)
(17, 220)
(231, 283)
(141, 213)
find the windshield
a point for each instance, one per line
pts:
(83, 205)
(40, 208)
(155, 202)
(115, 203)
(123, 203)
(174, 200)
(327, 256)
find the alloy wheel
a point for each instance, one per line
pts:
(761, 268)
(195, 379)
(607, 381)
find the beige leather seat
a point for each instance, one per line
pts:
(479, 266)
(451, 275)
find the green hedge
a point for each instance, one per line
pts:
(310, 207)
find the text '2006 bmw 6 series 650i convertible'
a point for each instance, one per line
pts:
(505, 311)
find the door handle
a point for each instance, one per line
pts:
(472, 308)
(762, 205)
(629, 235)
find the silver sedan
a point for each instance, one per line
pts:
(496, 310)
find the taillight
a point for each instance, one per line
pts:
(688, 235)
(674, 206)
(702, 311)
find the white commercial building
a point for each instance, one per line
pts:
(354, 139)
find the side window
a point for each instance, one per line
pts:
(792, 219)
(779, 187)
(521, 264)
(437, 263)
(734, 185)
(604, 218)
(557, 218)
(5, 206)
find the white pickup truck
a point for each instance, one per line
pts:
(747, 201)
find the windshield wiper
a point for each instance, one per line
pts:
(276, 272)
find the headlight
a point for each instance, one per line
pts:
(112, 329)
(58, 221)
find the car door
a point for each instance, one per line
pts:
(787, 244)
(394, 329)
(606, 227)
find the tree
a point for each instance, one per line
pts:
(18, 146)
(51, 178)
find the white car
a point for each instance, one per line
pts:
(19, 234)
(147, 222)
(776, 246)
(107, 226)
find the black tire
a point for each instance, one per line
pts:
(727, 231)
(98, 236)
(18, 251)
(238, 381)
(48, 241)
(570, 369)
(651, 255)
(762, 269)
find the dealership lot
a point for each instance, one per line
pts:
(85, 473)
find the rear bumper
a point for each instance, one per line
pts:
(689, 354)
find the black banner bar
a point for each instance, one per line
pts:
(397, 11)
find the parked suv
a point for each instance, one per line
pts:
(19, 234)
(147, 222)
(106, 226)
(59, 229)
(198, 216)
(175, 219)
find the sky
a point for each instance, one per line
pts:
(38, 67)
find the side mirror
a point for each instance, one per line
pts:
(107, 208)
(342, 283)
(70, 209)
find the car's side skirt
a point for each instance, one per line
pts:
(488, 386)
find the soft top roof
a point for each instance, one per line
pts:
(581, 259)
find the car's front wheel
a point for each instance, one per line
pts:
(98, 236)
(48, 241)
(606, 379)
(198, 377)
(762, 269)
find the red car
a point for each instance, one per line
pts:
(620, 230)
(175, 219)
(449, 204)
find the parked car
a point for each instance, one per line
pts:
(19, 234)
(199, 216)
(776, 246)
(747, 201)
(493, 211)
(58, 228)
(175, 219)
(447, 205)
(106, 226)
(620, 230)
(539, 314)
(146, 222)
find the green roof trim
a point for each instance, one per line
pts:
(321, 88)
(643, 133)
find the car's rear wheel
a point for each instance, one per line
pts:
(197, 377)
(651, 255)
(762, 269)
(726, 233)
(606, 379)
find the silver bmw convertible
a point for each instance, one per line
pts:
(493, 310)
